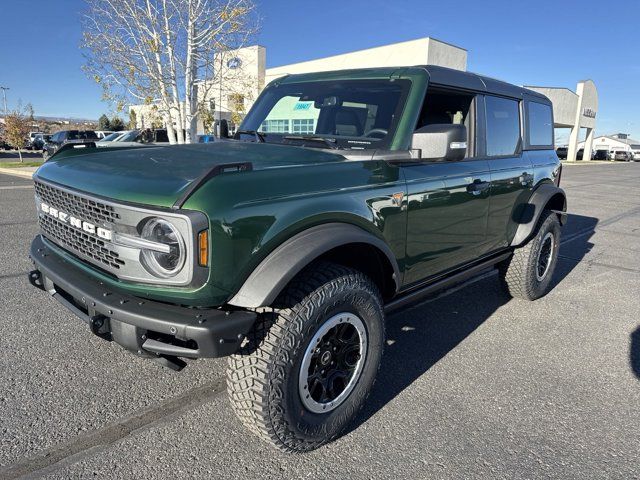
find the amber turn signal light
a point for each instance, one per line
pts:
(203, 248)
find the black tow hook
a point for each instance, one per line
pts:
(35, 279)
(99, 325)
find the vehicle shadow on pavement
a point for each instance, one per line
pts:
(420, 336)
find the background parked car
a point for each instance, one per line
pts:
(601, 155)
(623, 155)
(112, 137)
(137, 138)
(101, 134)
(39, 141)
(562, 152)
(59, 139)
(206, 138)
(31, 138)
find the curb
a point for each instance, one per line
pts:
(592, 162)
(17, 173)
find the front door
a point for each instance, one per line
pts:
(448, 202)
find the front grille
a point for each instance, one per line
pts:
(90, 210)
(79, 242)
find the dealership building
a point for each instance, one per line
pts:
(608, 144)
(243, 74)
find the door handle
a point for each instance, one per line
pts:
(477, 186)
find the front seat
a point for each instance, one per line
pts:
(347, 124)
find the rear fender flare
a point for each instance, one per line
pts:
(270, 277)
(543, 196)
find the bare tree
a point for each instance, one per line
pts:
(162, 51)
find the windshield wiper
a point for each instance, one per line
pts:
(259, 136)
(330, 142)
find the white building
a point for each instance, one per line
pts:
(615, 143)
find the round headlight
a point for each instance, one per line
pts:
(163, 264)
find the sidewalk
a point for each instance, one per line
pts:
(25, 172)
(590, 162)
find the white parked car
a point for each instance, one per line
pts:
(103, 133)
(112, 137)
(138, 138)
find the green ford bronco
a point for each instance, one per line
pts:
(344, 195)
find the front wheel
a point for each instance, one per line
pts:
(306, 369)
(527, 274)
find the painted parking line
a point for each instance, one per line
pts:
(16, 187)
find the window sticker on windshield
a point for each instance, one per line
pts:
(302, 106)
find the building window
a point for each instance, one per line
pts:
(303, 126)
(540, 125)
(503, 126)
(275, 126)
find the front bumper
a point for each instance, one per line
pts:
(145, 327)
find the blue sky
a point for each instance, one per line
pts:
(520, 42)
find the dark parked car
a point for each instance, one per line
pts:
(562, 152)
(601, 155)
(39, 141)
(63, 137)
(284, 246)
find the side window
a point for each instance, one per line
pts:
(540, 124)
(445, 107)
(503, 126)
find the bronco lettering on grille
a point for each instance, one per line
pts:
(76, 222)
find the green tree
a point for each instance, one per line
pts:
(16, 130)
(104, 123)
(116, 124)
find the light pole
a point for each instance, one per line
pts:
(4, 95)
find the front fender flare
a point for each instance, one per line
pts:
(531, 211)
(270, 277)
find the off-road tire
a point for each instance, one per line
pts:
(518, 273)
(263, 376)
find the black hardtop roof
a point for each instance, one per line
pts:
(472, 81)
(446, 77)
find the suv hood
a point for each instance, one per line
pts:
(158, 175)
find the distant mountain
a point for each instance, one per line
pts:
(65, 119)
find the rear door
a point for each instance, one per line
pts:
(512, 174)
(448, 202)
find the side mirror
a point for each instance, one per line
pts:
(447, 142)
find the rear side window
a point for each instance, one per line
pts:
(88, 135)
(540, 124)
(503, 126)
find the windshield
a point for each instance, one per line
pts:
(131, 136)
(111, 137)
(353, 114)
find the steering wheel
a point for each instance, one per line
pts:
(377, 133)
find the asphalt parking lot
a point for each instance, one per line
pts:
(473, 384)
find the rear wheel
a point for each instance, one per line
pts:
(307, 368)
(528, 273)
